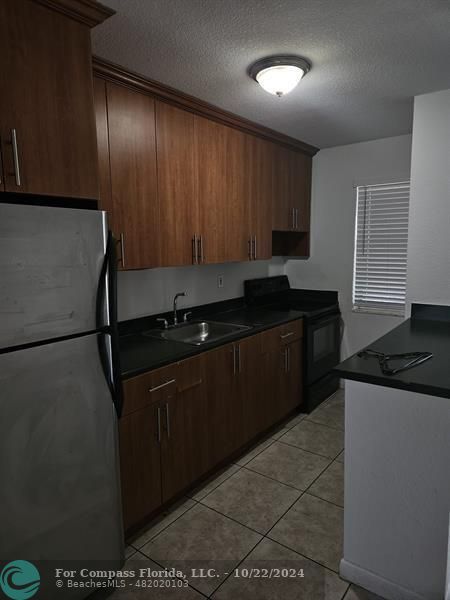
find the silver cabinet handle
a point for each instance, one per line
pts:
(234, 360)
(296, 218)
(286, 335)
(167, 420)
(253, 248)
(163, 385)
(194, 250)
(200, 255)
(15, 157)
(239, 357)
(250, 249)
(158, 424)
(122, 250)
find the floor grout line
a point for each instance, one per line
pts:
(231, 518)
(179, 578)
(257, 454)
(287, 484)
(237, 566)
(219, 484)
(324, 425)
(310, 451)
(163, 529)
(304, 556)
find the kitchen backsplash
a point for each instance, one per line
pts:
(151, 291)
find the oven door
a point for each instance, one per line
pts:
(322, 346)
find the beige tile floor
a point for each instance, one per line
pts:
(280, 506)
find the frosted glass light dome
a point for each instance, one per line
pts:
(279, 75)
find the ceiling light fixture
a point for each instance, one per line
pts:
(279, 75)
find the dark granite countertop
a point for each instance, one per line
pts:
(424, 334)
(139, 353)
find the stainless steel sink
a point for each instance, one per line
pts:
(197, 334)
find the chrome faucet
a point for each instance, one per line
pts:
(175, 318)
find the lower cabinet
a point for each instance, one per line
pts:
(180, 421)
(140, 465)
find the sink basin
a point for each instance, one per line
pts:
(197, 334)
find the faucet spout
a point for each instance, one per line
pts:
(175, 318)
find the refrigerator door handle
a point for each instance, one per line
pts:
(114, 330)
(108, 283)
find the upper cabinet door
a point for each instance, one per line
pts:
(260, 190)
(291, 190)
(301, 166)
(282, 209)
(47, 125)
(178, 217)
(132, 149)
(235, 197)
(223, 207)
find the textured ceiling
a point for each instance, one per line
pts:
(369, 58)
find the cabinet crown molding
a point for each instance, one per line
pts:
(115, 73)
(88, 12)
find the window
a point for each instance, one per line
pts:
(381, 238)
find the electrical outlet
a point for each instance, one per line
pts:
(220, 281)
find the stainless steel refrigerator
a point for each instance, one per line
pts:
(60, 393)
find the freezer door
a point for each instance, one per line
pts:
(50, 262)
(60, 491)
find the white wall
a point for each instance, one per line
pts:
(429, 223)
(397, 491)
(335, 172)
(151, 291)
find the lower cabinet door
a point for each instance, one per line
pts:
(140, 464)
(294, 396)
(290, 378)
(185, 448)
(220, 367)
(254, 418)
(270, 377)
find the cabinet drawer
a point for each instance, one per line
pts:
(150, 387)
(284, 334)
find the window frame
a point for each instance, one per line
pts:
(387, 310)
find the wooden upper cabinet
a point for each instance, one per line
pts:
(210, 157)
(178, 214)
(223, 208)
(291, 190)
(300, 168)
(259, 178)
(236, 201)
(47, 123)
(134, 198)
(282, 219)
(104, 172)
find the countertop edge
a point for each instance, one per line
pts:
(192, 351)
(393, 383)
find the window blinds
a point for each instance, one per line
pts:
(381, 238)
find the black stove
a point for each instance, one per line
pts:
(276, 293)
(323, 328)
